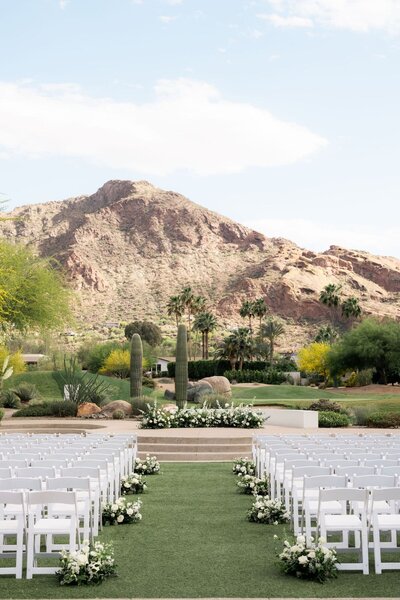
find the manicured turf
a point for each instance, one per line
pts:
(194, 541)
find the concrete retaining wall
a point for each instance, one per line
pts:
(301, 419)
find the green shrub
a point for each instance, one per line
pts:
(333, 419)
(326, 406)
(94, 359)
(361, 414)
(149, 382)
(385, 420)
(197, 369)
(267, 376)
(1, 414)
(118, 415)
(360, 378)
(215, 401)
(26, 392)
(9, 400)
(53, 408)
(33, 410)
(140, 405)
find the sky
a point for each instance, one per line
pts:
(281, 114)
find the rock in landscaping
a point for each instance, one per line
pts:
(109, 408)
(169, 395)
(86, 409)
(219, 384)
(198, 391)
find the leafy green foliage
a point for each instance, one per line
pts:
(9, 400)
(333, 419)
(55, 408)
(26, 392)
(149, 332)
(323, 404)
(383, 420)
(360, 378)
(267, 376)
(82, 387)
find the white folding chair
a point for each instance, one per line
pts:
(5, 472)
(80, 485)
(38, 472)
(385, 522)
(93, 473)
(296, 493)
(345, 522)
(310, 500)
(41, 522)
(13, 528)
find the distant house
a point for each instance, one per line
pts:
(162, 363)
(32, 359)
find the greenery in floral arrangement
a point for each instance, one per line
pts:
(266, 510)
(248, 484)
(121, 512)
(92, 564)
(149, 466)
(229, 416)
(133, 484)
(309, 560)
(243, 466)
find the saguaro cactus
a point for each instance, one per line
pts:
(136, 366)
(181, 367)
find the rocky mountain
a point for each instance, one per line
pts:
(129, 246)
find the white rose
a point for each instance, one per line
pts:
(114, 507)
(301, 539)
(311, 554)
(129, 512)
(120, 518)
(303, 560)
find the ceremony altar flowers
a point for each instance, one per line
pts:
(227, 416)
(90, 565)
(148, 466)
(309, 560)
(243, 466)
(121, 512)
(133, 484)
(265, 510)
(249, 484)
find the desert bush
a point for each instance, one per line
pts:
(94, 359)
(140, 405)
(82, 386)
(215, 401)
(52, 408)
(118, 415)
(333, 419)
(1, 414)
(15, 360)
(117, 363)
(326, 405)
(385, 420)
(26, 392)
(9, 400)
(360, 378)
(149, 382)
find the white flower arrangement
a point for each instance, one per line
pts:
(121, 512)
(90, 565)
(249, 484)
(133, 484)
(149, 466)
(309, 560)
(227, 416)
(243, 466)
(266, 510)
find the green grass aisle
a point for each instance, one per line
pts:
(194, 541)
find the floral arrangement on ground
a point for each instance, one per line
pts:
(92, 564)
(121, 512)
(243, 466)
(267, 510)
(148, 466)
(133, 484)
(249, 484)
(309, 560)
(229, 416)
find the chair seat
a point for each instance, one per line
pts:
(63, 509)
(390, 521)
(333, 506)
(50, 525)
(342, 522)
(9, 526)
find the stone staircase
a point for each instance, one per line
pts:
(190, 449)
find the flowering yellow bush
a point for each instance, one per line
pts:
(313, 359)
(117, 363)
(16, 361)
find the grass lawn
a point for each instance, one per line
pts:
(194, 541)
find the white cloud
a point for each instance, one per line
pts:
(354, 15)
(188, 125)
(167, 18)
(286, 22)
(318, 236)
(63, 4)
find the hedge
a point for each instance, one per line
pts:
(207, 368)
(271, 376)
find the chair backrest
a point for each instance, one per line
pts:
(341, 463)
(11, 462)
(21, 483)
(5, 472)
(388, 494)
(373, 481)
(42, 472)
(8, 497)
(91, 472)
(50, 462)
(343, 494)
(51, 497)
(390, 470)
(325, 481)
(346, 470)
(310, 471)
(68, 483)
(382, 462)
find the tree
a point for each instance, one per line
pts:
(247, 310)
(175, 307)
(205, 322)
(372, 344)
(351, 308)
(271, 330)
(326, 334)
(313, 359)
(13, 360)
(117, 363)
(260, 310)
(237, 347)
(32, 290)
(330, 297)
(149, 332)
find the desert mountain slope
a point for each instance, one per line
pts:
(130, 245)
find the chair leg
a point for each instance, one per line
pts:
(18, 560)
(377, 549)
(364, 545)
(29, 555)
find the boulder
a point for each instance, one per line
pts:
(198, 391)
(219, 384)
(169, 395)
(86, 409)
(109, 408)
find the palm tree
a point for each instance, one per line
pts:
(247, 310)
(351, 308)
(227, 349)
(260, 309)
(205, 322)
(272, 329)
(326, 334)
(175, 307)
(330, 296)
(238, 346)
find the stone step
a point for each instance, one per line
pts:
(217, 448)
(192, 456)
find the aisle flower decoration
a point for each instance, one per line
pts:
(243, 466)
(266, 510)
(148, 466)
(249, 484)
(92, 564)
(121, 512)
(133, 484)
(307, 559)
